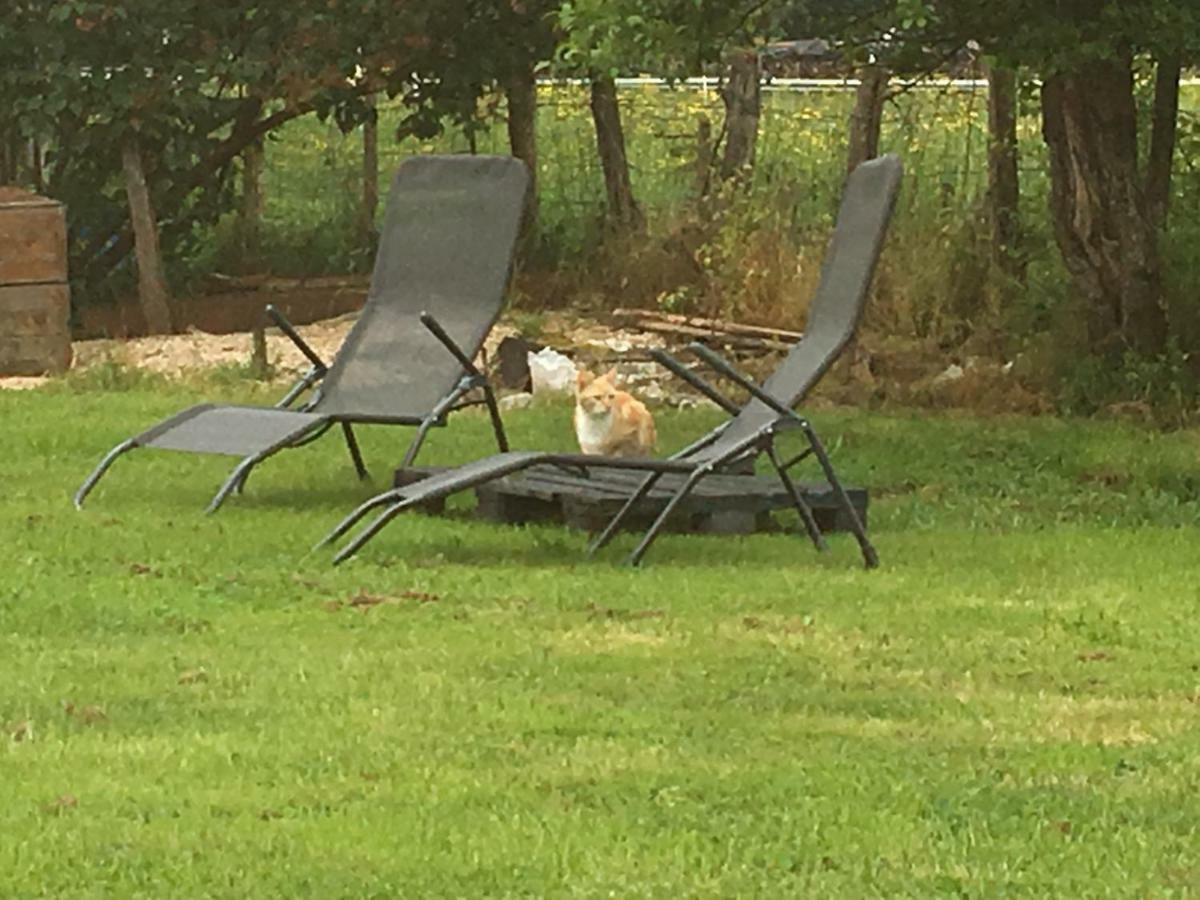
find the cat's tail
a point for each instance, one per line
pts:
(647, 434)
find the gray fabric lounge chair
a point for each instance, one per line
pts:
(836, 309)
(440, 277)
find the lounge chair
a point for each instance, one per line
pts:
(834, 315)
(439, 281)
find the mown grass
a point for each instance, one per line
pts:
(192, 708)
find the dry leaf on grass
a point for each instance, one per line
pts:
(88, 715)
(420, 596)
(364, 601)
(60, 805)
(596, 611)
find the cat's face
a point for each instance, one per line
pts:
(596, 394)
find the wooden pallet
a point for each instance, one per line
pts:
(721, 504)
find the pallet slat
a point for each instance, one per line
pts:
(725, 504)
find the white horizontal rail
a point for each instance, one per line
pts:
(705, 82)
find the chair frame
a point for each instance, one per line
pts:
(690, 461)
(472, 379)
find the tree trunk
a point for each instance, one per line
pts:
(704, 158)
(742, 96)
(1101, 223)
(370, 178)
(152, 285)
(1004, 186)
(8, 158)
(1162, 140)
(866, 121)
(624, 214)
(520, 91)
(250, 211)
(246, 128)
(37, 166)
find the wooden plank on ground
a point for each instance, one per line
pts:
(726, 504)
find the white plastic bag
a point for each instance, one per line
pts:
(551, 371)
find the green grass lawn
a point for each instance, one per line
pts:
(191, 707)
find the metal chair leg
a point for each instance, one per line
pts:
(418, 440)
(610, 530)
(355, 453)
(98, 473)
(359, 511)
(489, 397)
(870, 557)
(369, 532)
(692, 480)
(240, 485)
(806, 513)
(237, 477)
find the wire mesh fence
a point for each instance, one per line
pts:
(313, 172)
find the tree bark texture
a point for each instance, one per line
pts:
(1162, 139)
(624, 214)
(8, 158)
(520, 91)
(866, 121)
(152, 285)
(1101, 223)
(370, 178)
(742, 96)
(1004, 185)
(704, 158)
(250, 210)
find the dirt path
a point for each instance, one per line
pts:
(197, 351)
(877, 371)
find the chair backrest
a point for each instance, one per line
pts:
(446, 247)
(837, 307)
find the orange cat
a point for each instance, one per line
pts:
(608, 421)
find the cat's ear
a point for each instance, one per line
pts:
(583, 378)
(611, 375)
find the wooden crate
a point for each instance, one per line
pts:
(33, 239)
(34, 298)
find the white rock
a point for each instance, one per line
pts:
(953, 373)
(633, 372)
(697, 403)
(652, 391)
(516, 401)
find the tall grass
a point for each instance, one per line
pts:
(756, 252)
(313, 170)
